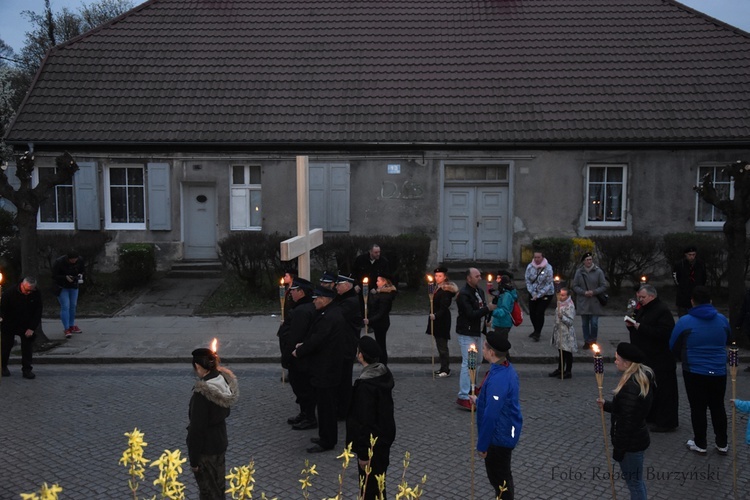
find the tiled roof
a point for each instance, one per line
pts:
(427, 72)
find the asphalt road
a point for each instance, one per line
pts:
(67, 427)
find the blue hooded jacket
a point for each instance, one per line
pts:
(699, 340)
(499, 418)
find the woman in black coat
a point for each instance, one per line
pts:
(439, 323)
(629, 408)
(379, 305)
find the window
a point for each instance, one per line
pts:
(125, 197)
(56, 212)
(245, 206)
(606, 190)
(707, 215)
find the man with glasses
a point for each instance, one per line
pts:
(650, 333)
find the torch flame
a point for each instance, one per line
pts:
(557, 279)
(1, 277)
(473, 347)
(365, 280)
(489, 278)
(643, 278)
(214, 344)
(595, 348)
(281, 283)
(429, 278)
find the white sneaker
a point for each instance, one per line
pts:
(722, 451)
(694, 447)
(443, 374)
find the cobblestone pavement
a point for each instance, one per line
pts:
(67, 427)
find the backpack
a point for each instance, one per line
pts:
(516, 315)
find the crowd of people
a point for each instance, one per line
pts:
(326, 328)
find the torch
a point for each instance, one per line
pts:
(365, 292)
(644, 280)
(733, 362)
(1, 294)
(282, 297)
(471, 363)
(599, 374)
(431, 295)
(489, 286)
(558, 284)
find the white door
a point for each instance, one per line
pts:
(200, 222)
(475, 223)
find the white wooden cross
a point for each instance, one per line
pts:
(306, 240)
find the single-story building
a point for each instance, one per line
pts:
(482, 123)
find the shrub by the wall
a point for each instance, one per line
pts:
(136, 264)
(627, 257)
(254, 256)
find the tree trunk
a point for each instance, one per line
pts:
(734, 231)
(30, 258)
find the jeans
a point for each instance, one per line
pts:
(68, 299)
(707, 392)
(464, 382)
(632, 472)
(590, 325)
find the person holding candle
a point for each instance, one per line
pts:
(541, 288)
(629, 408)
(699, 340)
(440, 318)
(215, 392)
(472, 310)
(380, 303)
(504, 297)
(650, 333)
(499, 418)
(564, 334)
(590, 286)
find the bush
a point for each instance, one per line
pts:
(630, 257)
(557, 251)
(407, 255)
(254, 257)
(8, 223)
(10, 259)
(136, 264)
(88, 244)
(711, 250)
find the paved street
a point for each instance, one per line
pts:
(67, 427)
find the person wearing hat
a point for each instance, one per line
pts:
(213, 394)
(289, 275)
(699, 340)
(348, 301)
(328, 280)
(297, 332)
(368, 265)
(379, 304)
(371, 414)
(540, 285)
(439, 324)
(324, 352)
(687, 273)
(590, 286)
(629, 408)
(499, 418)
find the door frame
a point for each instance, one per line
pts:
(184, 188)
(441, 238)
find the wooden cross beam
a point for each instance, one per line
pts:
(306, 240)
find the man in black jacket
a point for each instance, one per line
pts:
(472, 309)
(300, 319)
(687, 274)
(650, 333)
(348, 302)
(371, 414)
(325, 355)
(21, 311)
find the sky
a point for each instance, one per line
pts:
(13, 25)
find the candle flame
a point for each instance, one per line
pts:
(489, 278)
(595, 348)
(281, 283)
(1, 277)
(214, 345)
(557, 279)
(643, 278)
(429, 278)
(365, 280)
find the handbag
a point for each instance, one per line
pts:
(516, 315)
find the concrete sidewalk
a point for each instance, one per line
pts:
(158, 327)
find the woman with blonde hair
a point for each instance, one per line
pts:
(629, 408)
